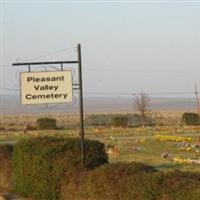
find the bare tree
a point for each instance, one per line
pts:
(142, 105)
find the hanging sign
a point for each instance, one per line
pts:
(46, 87)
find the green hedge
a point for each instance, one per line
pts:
(39, 164)
(50, 168)
(128, 181)
(98, 120)
(121, 121)
(177, 185)
(117, 120)
(46, 123)
(6, 178)
(117, 181)
(190, 118)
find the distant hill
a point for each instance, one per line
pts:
(10, 104)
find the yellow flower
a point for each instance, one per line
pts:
(188, 149)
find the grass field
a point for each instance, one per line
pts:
(165, 147)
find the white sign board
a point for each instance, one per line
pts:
(46, 87)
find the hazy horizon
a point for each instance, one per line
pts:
(11, 105)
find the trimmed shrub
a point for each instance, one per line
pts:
(73, 185)
(134, 120)
(179, 185)
(98, 120)
(118, 181)
(6, 179)
(120, 121)
(117, 120)
(39, 164)
(46, 123)
(190, 118)
(30, 128)
(128, 181)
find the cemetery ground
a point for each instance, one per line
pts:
(166, 145)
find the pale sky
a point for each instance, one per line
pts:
(127, 47)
